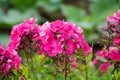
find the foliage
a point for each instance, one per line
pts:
(87, 14)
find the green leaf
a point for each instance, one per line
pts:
(89, 57)
(117, 74)
(85, 24)
(73, 13)
(49, 5)
(23, 4)
(98, 6)
(77, 74)
(38, 59)
(110, 68)
(92, 77)
(25, 70)
(15, 72)
(14, 16)
(101, 58)
(108, 76)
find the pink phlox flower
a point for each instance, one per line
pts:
(24, 35)
(117, 14)
(112, 21)
(13, 44)
(8, 60)
(105, 66)
(71, 47)
(30, 21)
(57, 25)
(116, 41)
(62, 37)
(74, 63)
(86, 48)
(22, 78)
(16, 62)
(114, 53)
(14, 58)
(102, 53)
(95, 60)
(41, 51)
(1, 48)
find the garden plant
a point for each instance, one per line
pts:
(58, 50)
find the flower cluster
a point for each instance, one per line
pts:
(58, 40)
(113, 24)
(112, 36)
(61, 37)
(114, 20)
(111, 54)
(25, 37)
(8, 59)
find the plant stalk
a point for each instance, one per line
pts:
(86, 71)
(65, 69)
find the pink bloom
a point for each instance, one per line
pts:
(57, 25)
(112, 21)
(60, 37)
(22, 78)
(116, 41)
(102, 53)
(117, 14)
(105, 66)
(74, 63)
(95, 61)
(25, 36)
(71, 47)
(8, 60)
(86, 48)
(41, 51)
(114, 53)
(1, 48)
(17, 62)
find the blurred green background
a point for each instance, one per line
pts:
(87, 14)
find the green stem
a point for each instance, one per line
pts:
(86, 71)
(109, 40)
(114, 60)
(33, 68)
(114, 75)
(97, 70)
(69, 73)
(65, 69)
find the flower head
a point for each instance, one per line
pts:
(8, 59)
(116, 41)
(101, 53)
(25, 36)
(114, 53)
(74, 63)
(114, 20)
(62, 37)
(105, 66)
